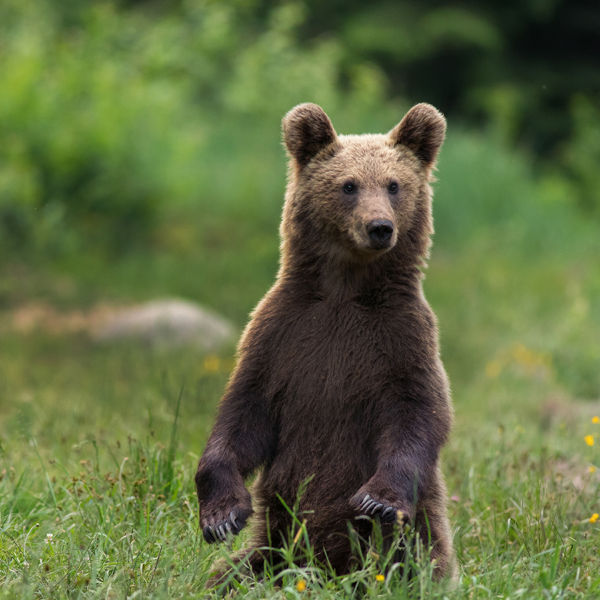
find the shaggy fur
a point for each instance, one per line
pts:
(339, 377)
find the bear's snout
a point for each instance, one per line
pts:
(380, 232)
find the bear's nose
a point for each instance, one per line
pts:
(380, 233)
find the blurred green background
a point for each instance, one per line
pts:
(140, 150)
(140, 157)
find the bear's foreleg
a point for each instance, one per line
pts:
(404, 469)
(242, 440)
(413, 426)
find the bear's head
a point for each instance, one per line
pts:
(359, 197)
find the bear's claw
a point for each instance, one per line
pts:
(372, 508)
(220, 531)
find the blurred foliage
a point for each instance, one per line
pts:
(111, 111)
(582, 152)
(518, 63)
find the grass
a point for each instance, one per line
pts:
(98, 445)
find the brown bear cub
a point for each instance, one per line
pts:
(339, 381)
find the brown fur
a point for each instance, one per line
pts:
(339, 376)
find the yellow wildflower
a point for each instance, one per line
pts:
(589, 440)
(211, 363)
(301, 585)
(493, 369)
(594, 517)
(595, 419)
(379, 577)
(592, 469)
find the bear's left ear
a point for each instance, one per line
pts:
(422, 130)
(306, 130)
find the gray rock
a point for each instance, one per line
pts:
(165, 323)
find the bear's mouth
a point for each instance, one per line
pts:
(379, 250)
(365, 248)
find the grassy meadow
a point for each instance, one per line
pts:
(98, 445)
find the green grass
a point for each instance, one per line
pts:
(96, 478)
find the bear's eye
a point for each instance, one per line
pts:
(393, 187)
(349, 187)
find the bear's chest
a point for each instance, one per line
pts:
(331, 369)
(329, 359)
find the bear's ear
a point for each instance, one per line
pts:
(422, 130)
(306, 130)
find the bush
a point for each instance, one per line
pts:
(582, 153)
(82, 135)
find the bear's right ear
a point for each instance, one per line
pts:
(306, 130)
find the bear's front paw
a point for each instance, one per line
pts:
(372, 505)
(223, 519)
